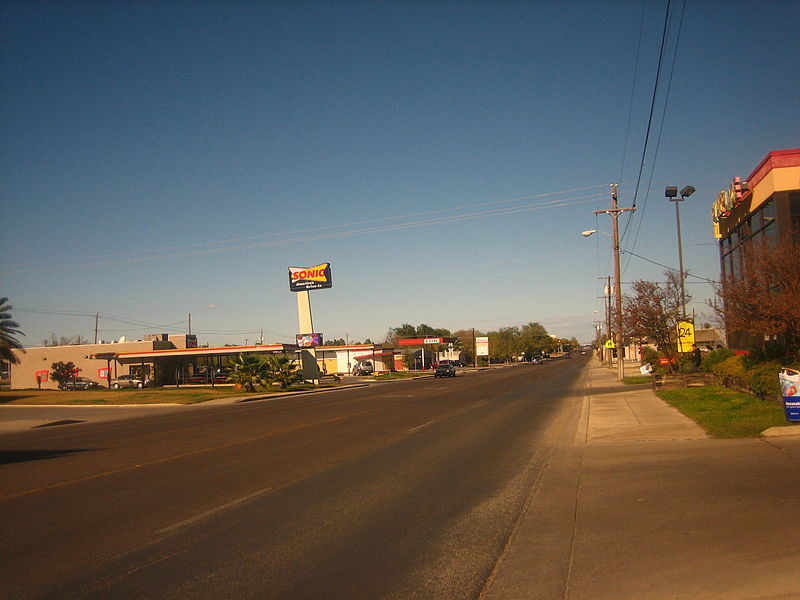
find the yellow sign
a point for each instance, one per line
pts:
(685, 336)
(610, 344)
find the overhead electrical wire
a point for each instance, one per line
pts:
(317, 234)
(661, 124)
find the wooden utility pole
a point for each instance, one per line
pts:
(615, 213)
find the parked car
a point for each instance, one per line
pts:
(363, 367)
(131, 381)
(458, 363)
(444, 369)
(79, 383)
(536, 360)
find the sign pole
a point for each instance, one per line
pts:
(308, 356)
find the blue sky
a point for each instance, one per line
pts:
(167, 158)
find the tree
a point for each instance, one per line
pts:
(64, 340)
(282, 369)
(62, 371)
(8, 332)
(653, 312)
(763, 298)
(249, 372)
(505, 343)
(534, 339)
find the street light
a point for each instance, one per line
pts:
(671, 192)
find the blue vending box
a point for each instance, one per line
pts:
(790, 389)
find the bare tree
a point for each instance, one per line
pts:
(652, 313)
(762, 299)
(64, 340)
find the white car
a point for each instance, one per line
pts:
(128, 381)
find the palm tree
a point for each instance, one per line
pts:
(282, 369)
(8, 329)
(249, 372)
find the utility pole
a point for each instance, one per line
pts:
(615, 212)
(96, 326)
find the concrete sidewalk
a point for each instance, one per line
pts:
(644, 505)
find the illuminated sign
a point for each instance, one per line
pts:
(310, 278)
(309, 340)
(423, 341)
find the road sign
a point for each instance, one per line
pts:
(610, 344)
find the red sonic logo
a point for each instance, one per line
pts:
(309, 278)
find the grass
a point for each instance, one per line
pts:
(725, 413)
(132, 396)
(401, 375)
(637, 380)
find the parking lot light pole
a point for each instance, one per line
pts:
(671, 192)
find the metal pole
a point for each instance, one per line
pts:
(680, 256)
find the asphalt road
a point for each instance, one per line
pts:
(399, 490)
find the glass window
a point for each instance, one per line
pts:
(768, 212)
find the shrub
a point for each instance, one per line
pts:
(650, 355)
(732, 372)
(686, 363)
(764, 381)
(713, 358)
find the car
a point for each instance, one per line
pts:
(363, 367)
(131, 381)
(444, 369)
(79, 383)
(458, 363)
(536, 360)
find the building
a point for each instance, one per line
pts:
(764, 206)
(160, 358)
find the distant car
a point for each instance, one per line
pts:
(536, 360)
(458, 363)
(363, 368)
(79, 383)
(131, 381)
(445, 369)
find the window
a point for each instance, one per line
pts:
(794, 210)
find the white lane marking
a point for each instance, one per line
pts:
(213, 511)
(423, 426)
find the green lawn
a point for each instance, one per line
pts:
(725, 413)
(131, 396)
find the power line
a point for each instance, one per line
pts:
(361, 228)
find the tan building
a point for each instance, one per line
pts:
(162, 359)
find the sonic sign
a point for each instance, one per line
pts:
(302, 279)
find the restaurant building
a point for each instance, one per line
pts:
(765, 206)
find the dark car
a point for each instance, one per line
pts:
(445, 369)
(79, 383)
(536, 360)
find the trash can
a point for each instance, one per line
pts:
(790, 389)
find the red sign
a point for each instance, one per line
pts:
(42, 375)
(420, 341)
(102, 373)
(662, 360)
